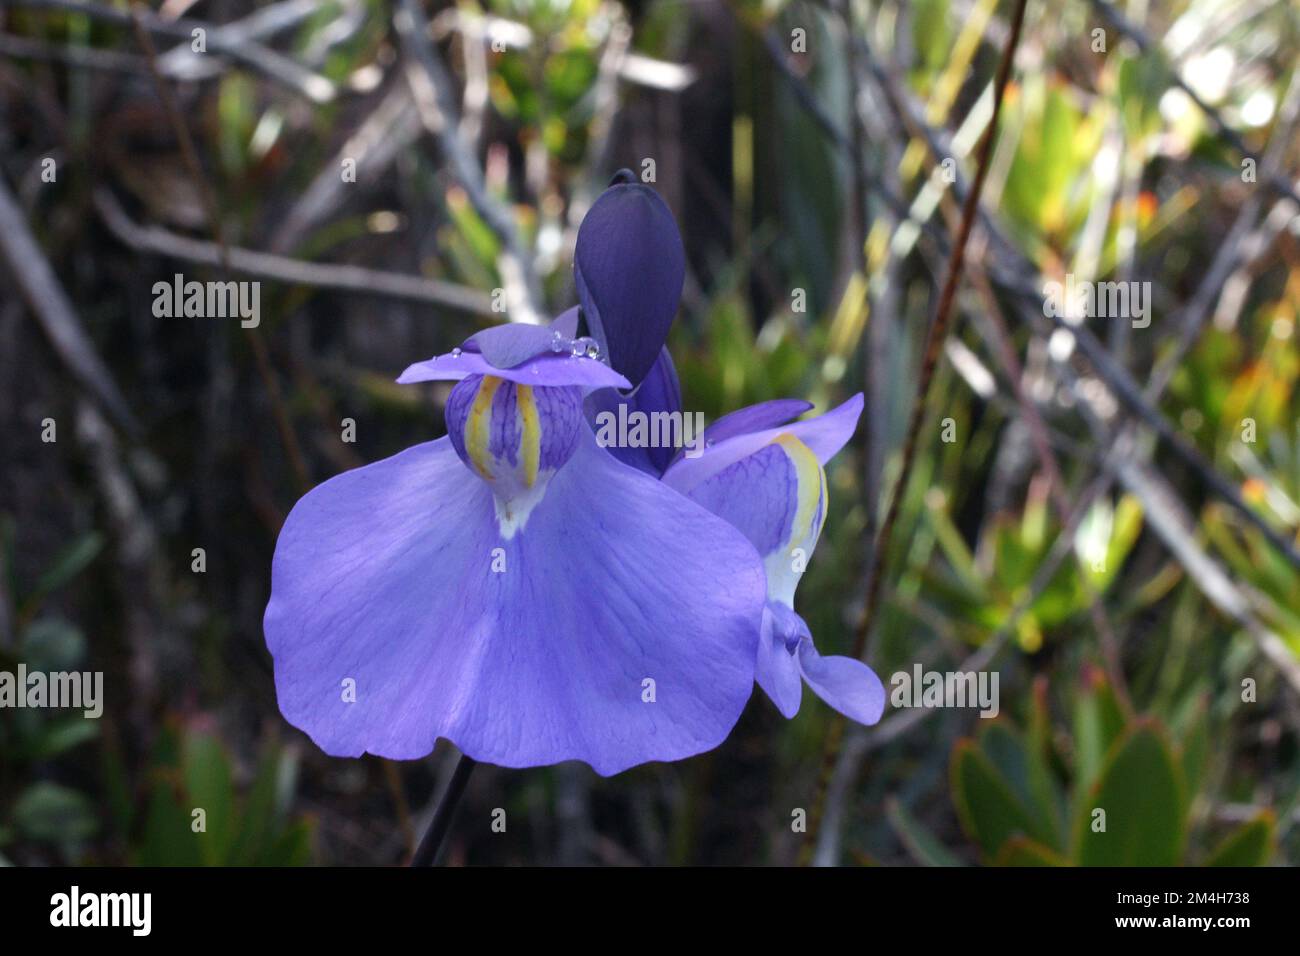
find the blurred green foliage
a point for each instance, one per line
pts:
(1120, 795)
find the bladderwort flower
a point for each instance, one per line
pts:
(765, 474)
(513, 587)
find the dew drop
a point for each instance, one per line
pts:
(585, 346)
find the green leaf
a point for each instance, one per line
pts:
(53, 644)
(262, 837)
(1047, 793)
(116, 784)
(208, 785)
(1022, 851)
(168, 838)
(1140, 789)
(55, 814)
(1006, 750)
(1098, 723)
(56, 738)
(259, 817)
(292, 848)
(68, 564)
(930, 32)
(1194, 754)
(1251, 844)
(919, 841)
(989, 810)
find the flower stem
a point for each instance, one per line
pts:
(427, 853)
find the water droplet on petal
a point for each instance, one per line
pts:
(585, 347)
(455, 353)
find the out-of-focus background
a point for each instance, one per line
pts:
(1106, 518)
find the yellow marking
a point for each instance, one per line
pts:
(811, 480)
(530, 434)
(478, 428)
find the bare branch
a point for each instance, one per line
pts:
(237, 46)
(321, 275)
(54, 313)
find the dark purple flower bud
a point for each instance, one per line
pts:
(628, 267)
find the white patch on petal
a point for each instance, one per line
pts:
(512, 513)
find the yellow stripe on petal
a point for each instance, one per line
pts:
(530, 434)
(479, 426)
(811, 481)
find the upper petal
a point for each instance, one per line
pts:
(511, 344)
(508, 345)
(628, 267)
(758, 417)
(566, 323)
(825, 435)
(618, 627)
(549, 368)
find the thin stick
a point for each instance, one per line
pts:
(933, 346)
(427, 853)
(937, 333)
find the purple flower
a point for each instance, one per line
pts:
(766, 478)
(534, 597)
(513, 587)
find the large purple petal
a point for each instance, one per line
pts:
(546, 369)
(659, 391)
(825, 435)
(628, 267)
(522, 652)
(848, 685)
